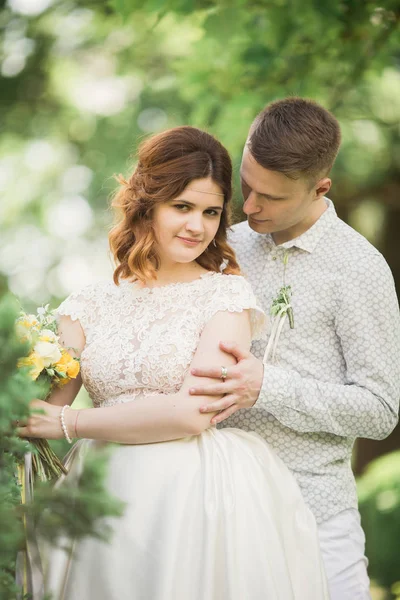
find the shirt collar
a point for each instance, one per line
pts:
(309, 240)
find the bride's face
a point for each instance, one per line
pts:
(186, 225)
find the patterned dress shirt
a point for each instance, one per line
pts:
(336, 375)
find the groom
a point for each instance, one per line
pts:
(336, 374)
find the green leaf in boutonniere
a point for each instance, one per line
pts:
(281, 304)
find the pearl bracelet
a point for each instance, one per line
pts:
(63, 425)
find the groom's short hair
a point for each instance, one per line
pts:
(296, 137)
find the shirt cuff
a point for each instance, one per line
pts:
(277, 390)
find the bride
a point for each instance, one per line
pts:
(209, 514)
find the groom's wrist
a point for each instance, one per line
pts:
(273, 388)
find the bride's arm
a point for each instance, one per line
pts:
(154, 418)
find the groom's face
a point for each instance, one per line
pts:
(273, 202)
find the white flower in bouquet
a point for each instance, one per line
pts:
(48, 351)
(46, 335)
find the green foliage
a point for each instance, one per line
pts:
(77, 508)
(97, 77)
(379, 500)
(16, 389)
(72, 511)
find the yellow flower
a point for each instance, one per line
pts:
(30, 321)
(63, 362)
(35, 362)
(25, 326)
(68, 365)
(73, 369)
(60, 368)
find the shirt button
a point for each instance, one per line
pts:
(274, 258)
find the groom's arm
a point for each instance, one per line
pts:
(367, 403)
(364, 405)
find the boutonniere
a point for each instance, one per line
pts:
(280, 309)
(281, 304)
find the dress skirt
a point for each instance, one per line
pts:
(216, 516)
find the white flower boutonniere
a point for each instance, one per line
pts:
(280, 309)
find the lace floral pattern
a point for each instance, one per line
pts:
(141, 341)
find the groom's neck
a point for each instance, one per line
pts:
(319, 207)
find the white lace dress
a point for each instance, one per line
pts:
(210, 517)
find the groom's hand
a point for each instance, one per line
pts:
(241, 387)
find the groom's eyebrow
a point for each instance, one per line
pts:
(264, 195)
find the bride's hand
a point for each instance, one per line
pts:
(44, 424)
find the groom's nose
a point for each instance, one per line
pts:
(250, 206)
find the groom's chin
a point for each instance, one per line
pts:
(260, 227)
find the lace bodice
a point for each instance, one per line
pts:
(141, 341)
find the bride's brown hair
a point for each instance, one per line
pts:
(167, 163)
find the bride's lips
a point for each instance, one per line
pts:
(189, 241)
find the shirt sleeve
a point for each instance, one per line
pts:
(81, 306)
(366, 404)
(234, 293)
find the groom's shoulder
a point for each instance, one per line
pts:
(347, 237)
(358, 252)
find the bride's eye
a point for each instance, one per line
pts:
(212, 213)
(181, 207)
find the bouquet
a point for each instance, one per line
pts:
(52, 364)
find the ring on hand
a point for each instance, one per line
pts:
(224, 373)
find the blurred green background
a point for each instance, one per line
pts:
(83, 81)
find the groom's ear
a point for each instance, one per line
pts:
(322, 187)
